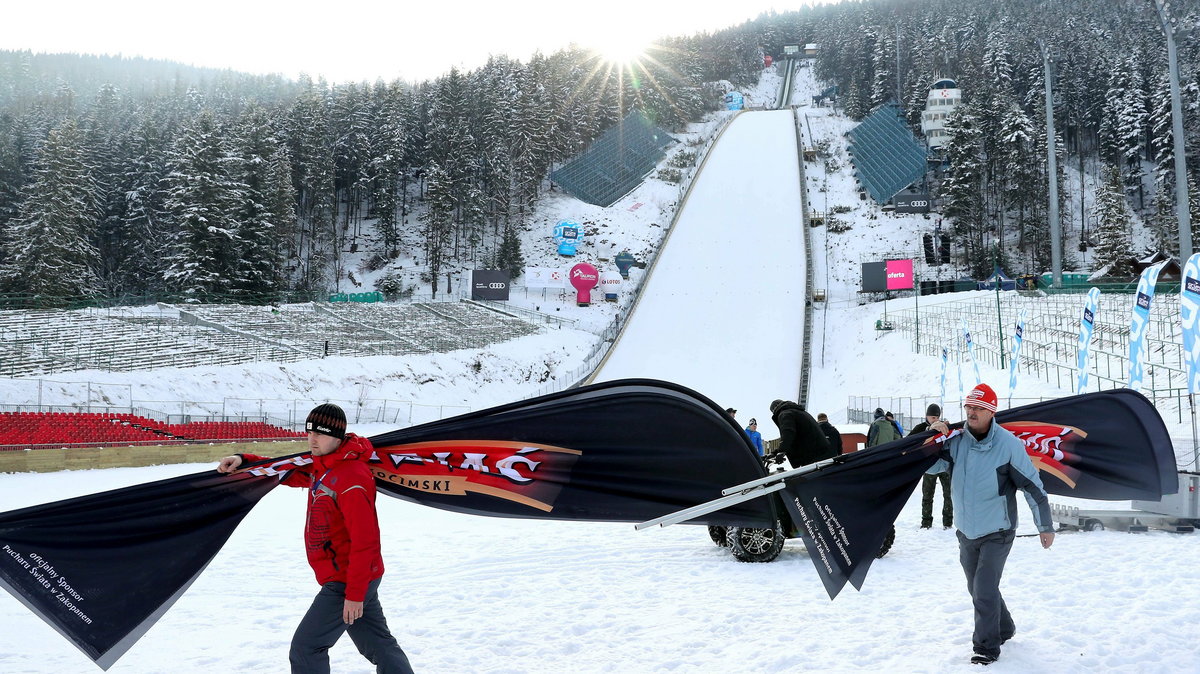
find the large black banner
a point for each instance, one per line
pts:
(102, 569)
(1110, 445)
(622, 451)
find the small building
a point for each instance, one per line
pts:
(944, 96)
(810, 50)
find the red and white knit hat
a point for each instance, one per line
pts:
(983, 397)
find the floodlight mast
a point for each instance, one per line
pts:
(1052, 170)
(1182, 214)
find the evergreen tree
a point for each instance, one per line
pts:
(438, 221)
(509, 257)
(1113, 245)
(50, 251)
(202, 198)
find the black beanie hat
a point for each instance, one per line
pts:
(775, 405)
(878, 412)
(327, 419)
(933, 410)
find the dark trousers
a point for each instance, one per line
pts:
(983, 561)
(928, 484)
(322, 626)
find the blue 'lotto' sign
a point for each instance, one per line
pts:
(734, 101)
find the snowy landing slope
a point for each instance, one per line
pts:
(723, 312)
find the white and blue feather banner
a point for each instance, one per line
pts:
(971, 351)
(1139, 321)
(1087, 326)
(1018, 337)
(942, 396)
(1189, 310)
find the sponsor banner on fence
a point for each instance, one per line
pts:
(489, 284)
(1015, 360)
(545, 277)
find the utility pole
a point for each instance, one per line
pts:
(1169, 26)
(1052, 169)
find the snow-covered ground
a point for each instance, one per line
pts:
(473, 594)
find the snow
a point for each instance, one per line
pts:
(475, 594)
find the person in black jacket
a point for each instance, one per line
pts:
(801, 439)
(831, 433)
(929, 482)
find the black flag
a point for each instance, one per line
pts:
(1110, 445)
(102, 569)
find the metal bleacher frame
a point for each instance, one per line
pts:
(616, 162)
(887, 157)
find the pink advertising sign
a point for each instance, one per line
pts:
(899, 274)
(584, 277)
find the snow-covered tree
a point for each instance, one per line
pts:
(202, 198)
(1113, 245)
(50, 254)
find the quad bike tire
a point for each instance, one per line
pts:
(755, 545)
(887, 543)
(719, 535)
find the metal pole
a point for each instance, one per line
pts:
(1052, 169)
(1181, 191)
(999, 320)
(917, 303)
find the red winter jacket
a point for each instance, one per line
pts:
(341, 531)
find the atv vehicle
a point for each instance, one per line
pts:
(764, 545)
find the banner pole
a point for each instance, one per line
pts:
(709, 506)
(1195, 448)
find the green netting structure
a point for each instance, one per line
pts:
(616, 162)
(887, 156)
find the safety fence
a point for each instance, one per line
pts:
(1050, 343)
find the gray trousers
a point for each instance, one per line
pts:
(322, 626)
(983, 561)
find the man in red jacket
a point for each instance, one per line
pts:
(341, 537)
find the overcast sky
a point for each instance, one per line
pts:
(356, 39)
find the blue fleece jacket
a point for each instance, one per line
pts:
(984, 478)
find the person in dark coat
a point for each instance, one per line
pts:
(929, 482)
(881, 431)
(801, 439)
(831, 433)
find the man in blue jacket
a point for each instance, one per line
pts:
(987, 465)
(755, 436)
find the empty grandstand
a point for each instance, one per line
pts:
(35, 342)
(616, 162)
(20, 430)
(887, 157)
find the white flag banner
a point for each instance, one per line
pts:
(1189, 309)
(1139, 321)
(1087, 326)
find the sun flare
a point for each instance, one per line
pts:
(622, 49)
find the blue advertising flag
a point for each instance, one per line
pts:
(1087, 326)
(1018, 337)
(942, 395)
(1139, 320)
(971, 351)
(1189, 310)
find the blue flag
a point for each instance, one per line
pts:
(1138, 321)
(1189, 310)
(1087, 326)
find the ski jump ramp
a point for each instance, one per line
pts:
(722, 310)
